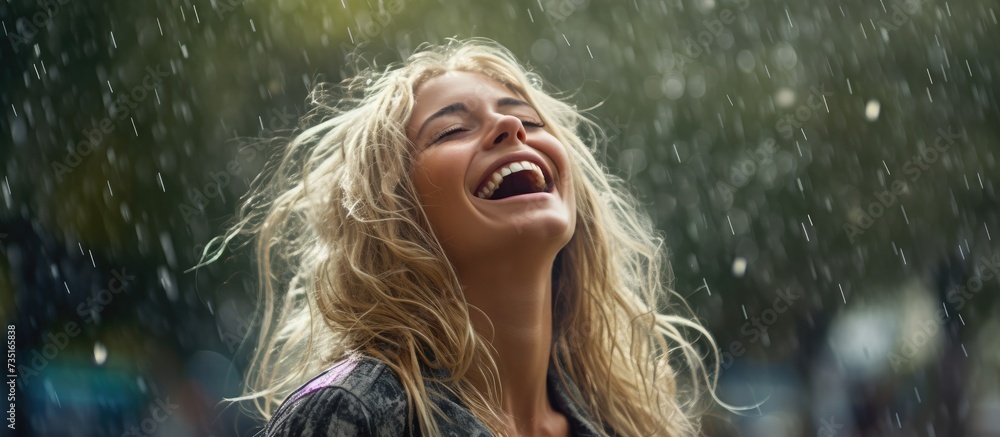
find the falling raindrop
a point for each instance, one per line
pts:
(739, 266)
(100, 353)
(872, 109)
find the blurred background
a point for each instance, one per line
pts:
(825, 174)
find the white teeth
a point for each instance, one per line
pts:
(495, 179)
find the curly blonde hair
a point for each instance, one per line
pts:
(347, 262)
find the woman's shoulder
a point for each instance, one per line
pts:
(357, 396)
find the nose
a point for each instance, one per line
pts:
(508, 126)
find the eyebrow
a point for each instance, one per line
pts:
(460, 107)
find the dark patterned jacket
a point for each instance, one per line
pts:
(362, 396)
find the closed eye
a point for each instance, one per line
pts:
(447, 132)
(452, 130)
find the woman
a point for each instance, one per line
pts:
(452, 260)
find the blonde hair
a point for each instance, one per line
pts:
(338, 229)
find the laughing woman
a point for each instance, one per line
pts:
(441, 254)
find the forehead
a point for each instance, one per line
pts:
(453, 87)
(456, 85)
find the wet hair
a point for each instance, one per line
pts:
(348, 263)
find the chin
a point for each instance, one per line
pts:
(545, 227)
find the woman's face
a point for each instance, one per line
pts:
(492, 180)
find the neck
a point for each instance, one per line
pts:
(511, 306)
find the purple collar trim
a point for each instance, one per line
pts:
(327, 378)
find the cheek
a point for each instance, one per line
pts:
(433, 179)
(422, 181)
(439, 201)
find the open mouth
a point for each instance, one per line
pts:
(514, 179)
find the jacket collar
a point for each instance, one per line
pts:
(563, 394)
